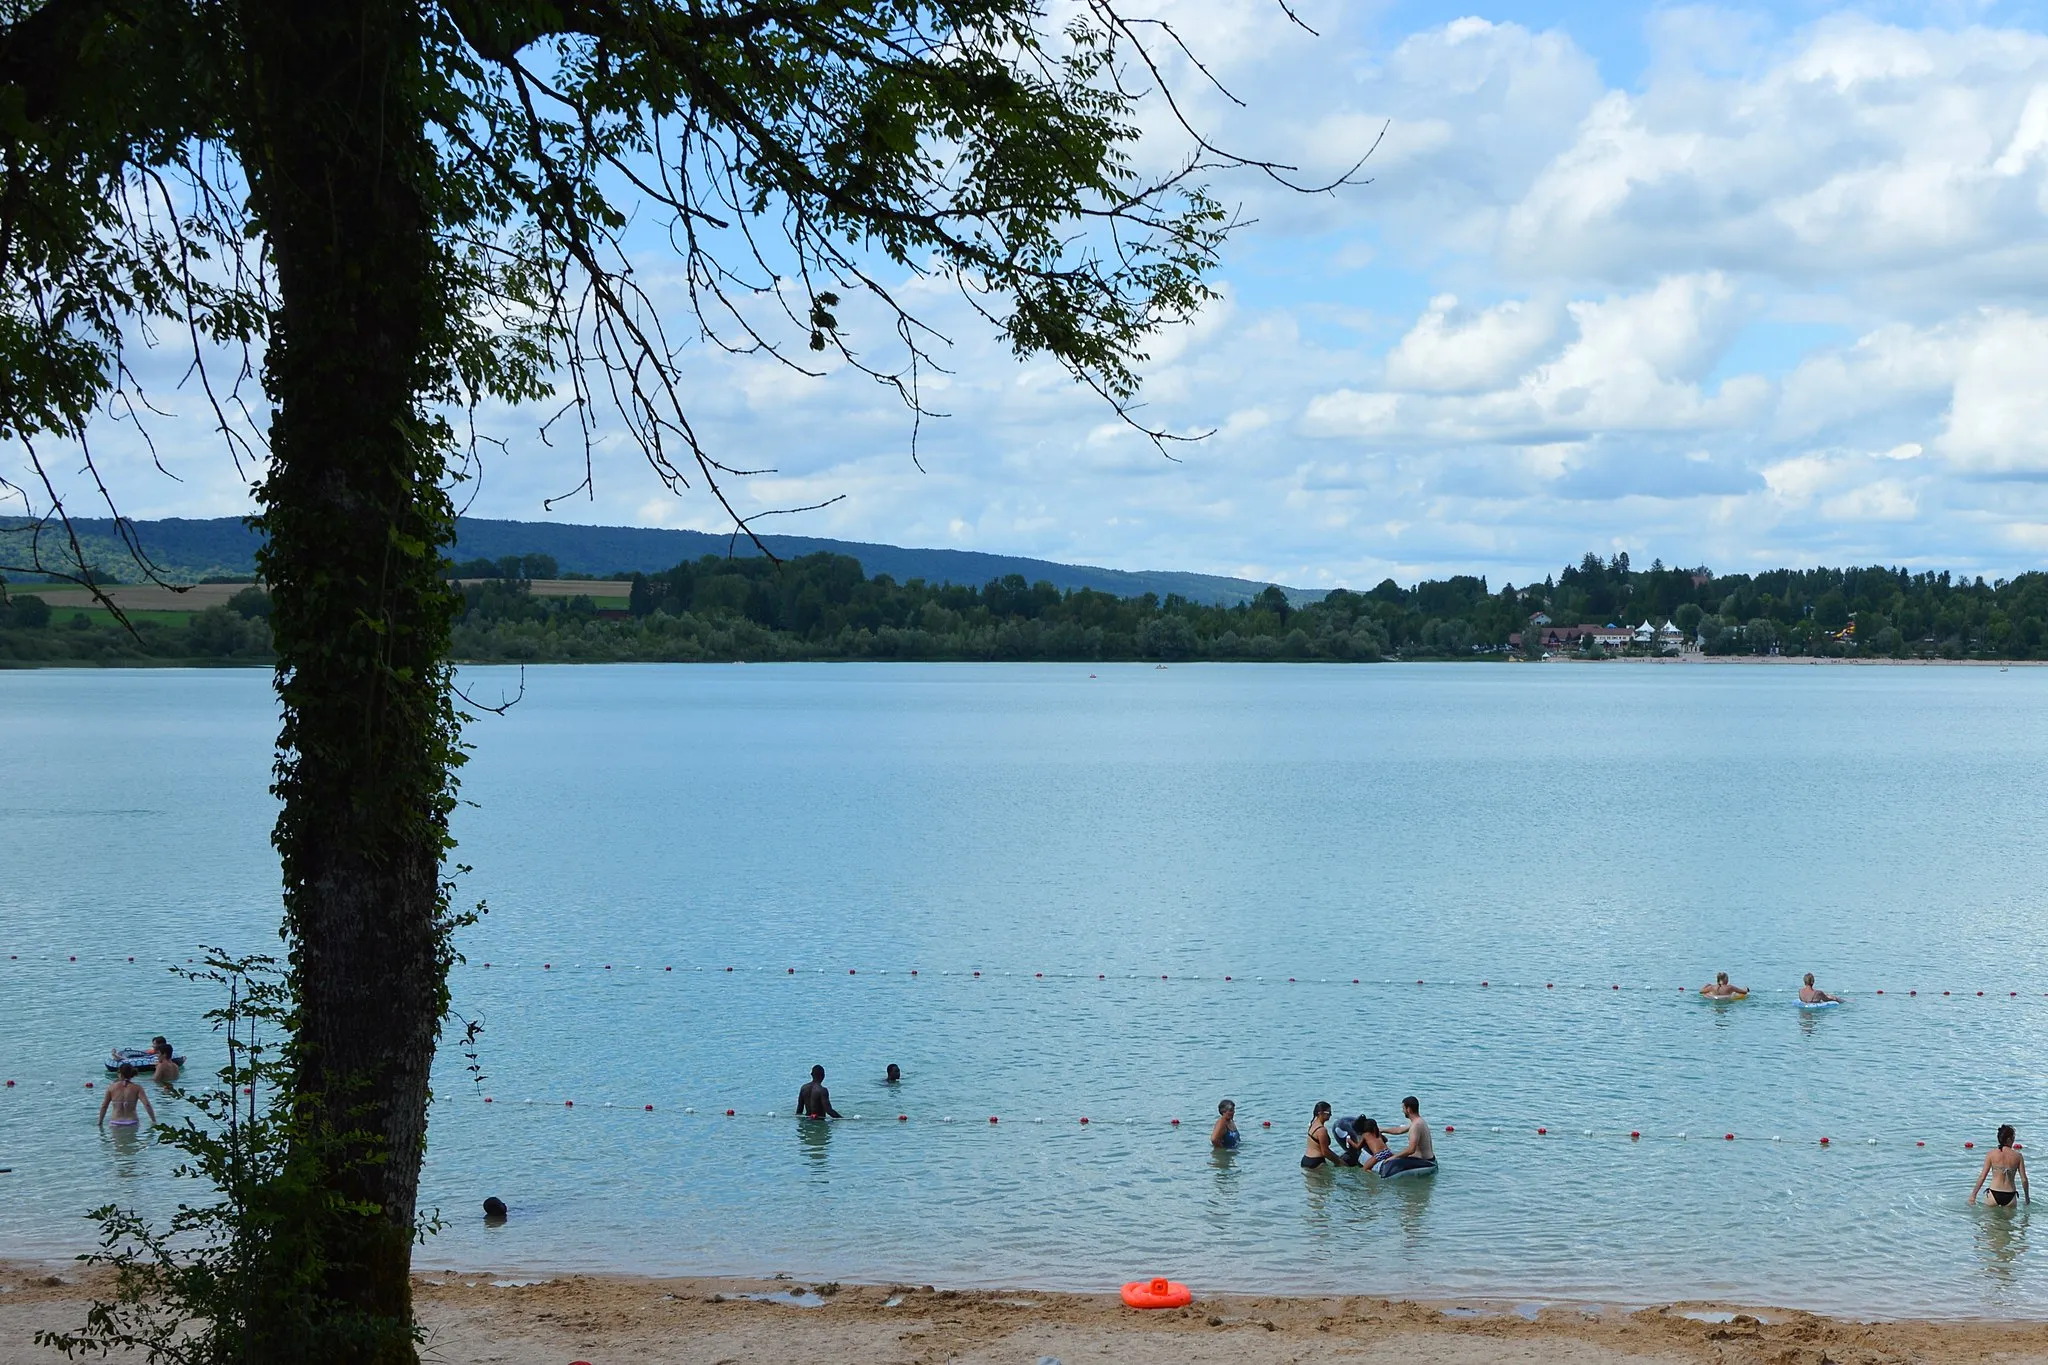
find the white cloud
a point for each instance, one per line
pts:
(1449, 352)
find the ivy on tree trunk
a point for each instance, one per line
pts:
(356, 520)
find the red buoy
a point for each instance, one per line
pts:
(1174, 1122)
(1823, 1142)
(903, 1118)
(991, 1118)
(1084, 1119)
(728, 1113)
(1635, 1135)
(650, 1108)
(1541, 1131)
(1450, 1128)
(1728, 1137)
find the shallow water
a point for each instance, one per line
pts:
(1135, 837)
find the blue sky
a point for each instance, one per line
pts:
(1734, 285)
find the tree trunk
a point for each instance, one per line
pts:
(356, 519)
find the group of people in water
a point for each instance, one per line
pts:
(1721, 988)
(1359, 1140)
(124, 1097)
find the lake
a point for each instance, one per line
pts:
(1417, 879)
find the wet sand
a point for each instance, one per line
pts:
(510, 1320)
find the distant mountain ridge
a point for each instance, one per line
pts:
(189, 549)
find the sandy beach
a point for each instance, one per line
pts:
(513, 1320)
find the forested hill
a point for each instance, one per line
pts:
(824, 606)
(188, 551)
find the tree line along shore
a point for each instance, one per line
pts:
(824, 607)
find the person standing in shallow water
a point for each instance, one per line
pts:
(2002, 1166)
(122, 1097)
(1224, 1134)
(1318, 1151)
(814, 1101)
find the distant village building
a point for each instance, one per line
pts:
(1614, 638)
(1541, 618)
(1609, 637)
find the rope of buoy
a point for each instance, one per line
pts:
(981, 974)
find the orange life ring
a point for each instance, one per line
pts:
(1157, 1293)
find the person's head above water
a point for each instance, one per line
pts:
(1411, 1106)
(157, 1041)
(817, 1073)
(163, 1047)
(895, 1072)
(2006, 1135)
(494, 1207)
(127, 1072)
(1322, 1109)
(1809, 978)
(1365, 1123)
(1226, 1106)
(1720, 978)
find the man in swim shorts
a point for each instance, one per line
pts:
(814, 1101)
(1720, 989)
(1810, 994)
(122, 1097)
(1421, 1148)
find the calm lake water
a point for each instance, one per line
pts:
(1136, 837)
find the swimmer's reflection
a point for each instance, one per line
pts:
(2002, 1241)
(128, 1144)
(814, 1138)
(1411, 1198)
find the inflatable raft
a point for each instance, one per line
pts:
(141, 1058)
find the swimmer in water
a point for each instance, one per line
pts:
(122, 1097)
(894, 1076)
(1719, 989)
(814, 1101)
(1810, 994)
(167, 1067)
(2001, 1166)
(1421, 1148)
(1318, 1138)
(1224, 1135)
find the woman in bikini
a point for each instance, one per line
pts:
(2001, 1166)
(1319, 1152)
